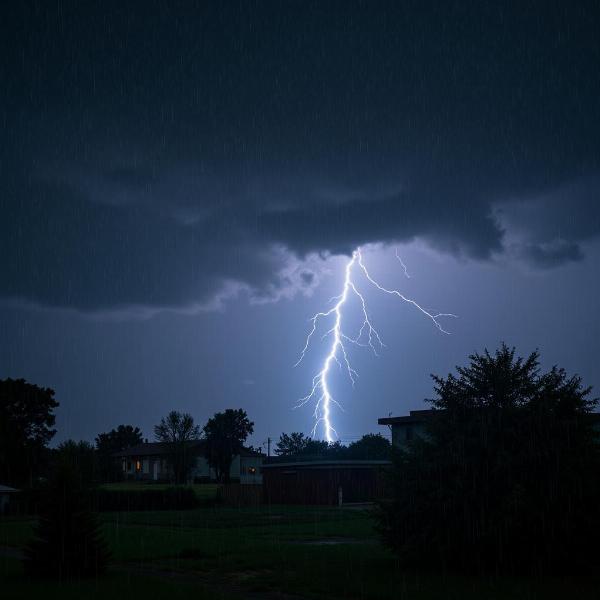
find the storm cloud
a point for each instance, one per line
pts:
(159, 157)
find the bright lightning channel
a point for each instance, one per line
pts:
(367, 336)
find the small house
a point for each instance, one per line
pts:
(150, 461)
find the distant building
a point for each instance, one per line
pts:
(325, 482)
(150, 461)
(6, 493)
(406, 428)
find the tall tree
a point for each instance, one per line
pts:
(115, 440)
(178, 431)
(225, 434)
(26, 426)
(504, 479)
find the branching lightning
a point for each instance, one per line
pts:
(367, 336)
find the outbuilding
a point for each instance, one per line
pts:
(325, 482)
(6, 494)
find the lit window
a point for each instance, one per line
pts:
(138, 465)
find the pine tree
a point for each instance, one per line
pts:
(68, 542)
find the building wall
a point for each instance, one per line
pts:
(321, 485)
(251, 470)
(246, 469)
(403, 433)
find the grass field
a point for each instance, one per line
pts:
(257, 553)
(204, 491)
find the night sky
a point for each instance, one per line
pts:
(181, 186)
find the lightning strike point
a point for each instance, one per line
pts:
(367, 336)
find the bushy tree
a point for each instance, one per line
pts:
(178, 431)
(107, 444)
(68, 542)
(506, 478)
(78, 459)
(372, 446)
(225, 434)
(291, 444)
(26, 426)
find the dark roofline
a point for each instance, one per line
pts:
(421, 416)
(322, 464)
(162, 449)
(151, 449)
(415, 416)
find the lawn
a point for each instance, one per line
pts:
(204, 491)
(231, 553)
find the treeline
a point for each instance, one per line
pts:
(372, 446)
(27, 422)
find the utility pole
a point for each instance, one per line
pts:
(268, 446)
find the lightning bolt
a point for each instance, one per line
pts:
(367, 336)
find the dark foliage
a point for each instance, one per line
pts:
(107, 444)
(507, 478)
(26, 427)
(369, 447)
(79, 458)
(68, 543)
(225, 434)
(178, 430)
(372, 446)
(292, 443)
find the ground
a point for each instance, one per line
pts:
(259, 553)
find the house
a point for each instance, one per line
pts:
(324, 482)
(6, 493)
(406, 428)
(150, 461)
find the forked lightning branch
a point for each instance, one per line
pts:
(366, 337)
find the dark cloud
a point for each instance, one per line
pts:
(164, 156)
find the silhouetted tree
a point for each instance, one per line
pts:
(107, 444)
(26, 427)
(225, 434)
(506, 477)
(68, 542)
(372, 446)
(290, 444)
(178, 431)
(79, 459)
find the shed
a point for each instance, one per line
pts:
(6, 493)
(324, 482)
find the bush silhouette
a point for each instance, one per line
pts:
(67, 541)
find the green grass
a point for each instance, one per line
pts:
(264, 550)
(115, 586)
(204, 491)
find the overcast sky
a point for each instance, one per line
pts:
(181, 188)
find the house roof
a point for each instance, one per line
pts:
(326, 464)
(415, 416)
(151, 449)
(420, 416)
(5, 489)
(162, 449)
